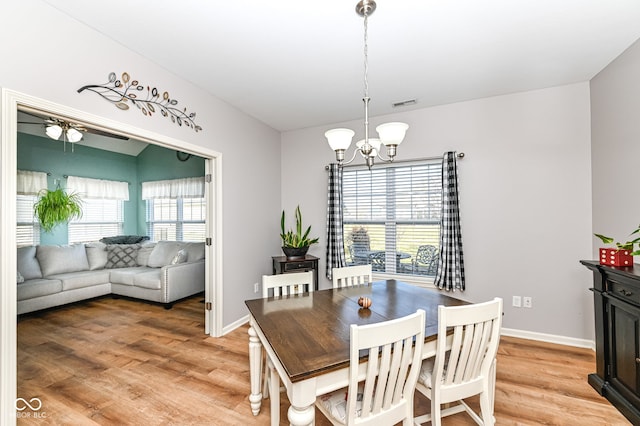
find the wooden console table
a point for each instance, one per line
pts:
(282, 265)
(616, 299)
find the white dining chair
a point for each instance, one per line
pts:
(286, 284)
(465, 362)
(351, 275)
(278, 286)
(380, 390)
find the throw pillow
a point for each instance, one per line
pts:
(180, 257)
(19, 277)
(122, 255)
(96, 255)
(61, 259)
(163, 253)
(28, 265)
(124, 239)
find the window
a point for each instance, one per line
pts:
(28, 228)
(176, 209)
(28, 184)
(392, 217)
(100, 218)
(176, 219)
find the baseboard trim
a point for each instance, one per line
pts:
(239, 323)
(549, 338)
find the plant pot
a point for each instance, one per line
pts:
(615, 257)
(295, 252)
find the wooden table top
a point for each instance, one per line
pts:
(310, 333)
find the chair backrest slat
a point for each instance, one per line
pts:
(349, 276)
(287, 284)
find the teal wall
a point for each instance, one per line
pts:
(154, 163)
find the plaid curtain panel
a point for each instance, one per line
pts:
(450, 274)
(335, 241)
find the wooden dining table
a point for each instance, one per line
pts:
(307, 336)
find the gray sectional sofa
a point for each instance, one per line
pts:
(162, 272)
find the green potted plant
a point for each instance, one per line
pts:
(295, 243)
(622, 254)
(56, 207)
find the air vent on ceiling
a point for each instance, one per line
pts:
(404, 103)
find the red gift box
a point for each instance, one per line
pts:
(615, 257)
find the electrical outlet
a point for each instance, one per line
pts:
(256, 287)
(517, 301)
(527, 302)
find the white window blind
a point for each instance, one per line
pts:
(100, 218)
(28, 185)
(28, 227)
(389, 212)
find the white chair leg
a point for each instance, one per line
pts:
(436, 419)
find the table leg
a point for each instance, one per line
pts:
(255, 370)
(302, 396)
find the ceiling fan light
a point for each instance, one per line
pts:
(54, 131)
(339, 138)
(392, 133)
(73, 135)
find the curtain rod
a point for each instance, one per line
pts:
(459, 155)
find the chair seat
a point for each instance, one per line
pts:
(334, 404)
(426, 372)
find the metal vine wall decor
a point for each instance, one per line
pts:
(124, 91)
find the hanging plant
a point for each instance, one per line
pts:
(56, 207)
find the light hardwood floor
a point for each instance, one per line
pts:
(121, 362)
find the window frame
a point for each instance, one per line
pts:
(179, 221)
(393, 253)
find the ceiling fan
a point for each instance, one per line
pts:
(57, 128)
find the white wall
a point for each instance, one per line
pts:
(615, 150)
(48, 55)
(525, 194)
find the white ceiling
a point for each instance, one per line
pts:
(295, 64)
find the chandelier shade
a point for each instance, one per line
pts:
(391, 134)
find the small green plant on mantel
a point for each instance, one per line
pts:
(56, 207)
(624, 246)
(296, 239)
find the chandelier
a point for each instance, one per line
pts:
(389, 134)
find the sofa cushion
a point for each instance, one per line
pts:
(96, 255)
(28, 264)
(144, 252)
(72, 280)
(60, 259)
(150, 279)
(122, 255)
(125, 275)
(195, 251)
(38, 287)
(163, 253)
